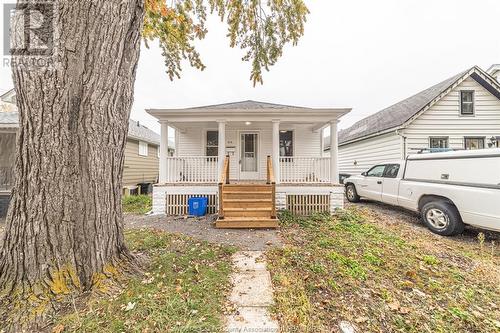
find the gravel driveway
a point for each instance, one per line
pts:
(203, 229)
(410, 223)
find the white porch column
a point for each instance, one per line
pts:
(322, 142)
(221, 146)
(163, 163)
(334, 152)
(276, 150)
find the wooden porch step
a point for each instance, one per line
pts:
(248, 200)
(240, 212)
(242, 222)
(238, 188)
(247, 194)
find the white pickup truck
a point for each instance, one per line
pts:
(448, 189)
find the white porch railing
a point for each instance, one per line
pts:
(192, 169)
(305, 170)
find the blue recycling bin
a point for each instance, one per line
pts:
(197, 206)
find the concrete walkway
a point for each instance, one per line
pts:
(252, 294)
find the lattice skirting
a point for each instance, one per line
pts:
(177, 204)
(307, 204)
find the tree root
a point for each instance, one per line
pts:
(31, 307)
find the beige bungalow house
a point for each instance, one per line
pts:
(141, 152)
(249, 159)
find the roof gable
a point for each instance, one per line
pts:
(249, 105)
(405, 111)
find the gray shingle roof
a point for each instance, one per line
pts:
(397, 114)
(9, 117)
(249, 105)
(141, 132)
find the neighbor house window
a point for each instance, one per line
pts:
(286, 143)
(473, 143)
(438, 142)
(212, 147)
(467, 102)
(143, 148)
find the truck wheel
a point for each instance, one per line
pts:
(442, 218)
(351, 194)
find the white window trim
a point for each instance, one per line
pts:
(293, 140)
(143, 148)
(473, 103)
(204, 139)
(440, 137)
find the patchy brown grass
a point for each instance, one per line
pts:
(183, 290)
(380, 278)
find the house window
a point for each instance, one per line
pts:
(286, 143)
(212, 146)
(438, 142)
(143, 148)
(473, 143)
(467, 102)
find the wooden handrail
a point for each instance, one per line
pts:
(270, 171)
(224, 179)
(225, 171)
(272, 182)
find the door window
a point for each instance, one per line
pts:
(376, 171)
(391, 171)
(249, 152)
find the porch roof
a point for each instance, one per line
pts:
(251, 111)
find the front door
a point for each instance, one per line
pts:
(249, 155)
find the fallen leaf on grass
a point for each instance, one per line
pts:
(404, 310)
(58, 329)
(361, 319)
(394, 306)
(130, 306)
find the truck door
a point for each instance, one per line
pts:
(371, 185)
(390, 184)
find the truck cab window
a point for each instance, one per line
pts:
(376, 171)
(391, 171)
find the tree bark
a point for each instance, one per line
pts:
(64, 231)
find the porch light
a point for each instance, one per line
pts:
(248, 123)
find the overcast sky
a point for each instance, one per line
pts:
(362, 54)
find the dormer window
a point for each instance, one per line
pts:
(467, 102)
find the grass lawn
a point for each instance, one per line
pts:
(184, 290)
(137, 204)
(348, 268)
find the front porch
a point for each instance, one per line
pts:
(256, 143)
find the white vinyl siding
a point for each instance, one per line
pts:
(360, 156)
(191, 142)
(443, 119)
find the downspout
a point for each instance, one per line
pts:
(403, 144)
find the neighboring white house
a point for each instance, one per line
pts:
(259, 138)
(494, 71)
(462, 112)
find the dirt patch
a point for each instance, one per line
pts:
(203, 229)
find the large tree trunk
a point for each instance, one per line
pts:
(64, 229)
